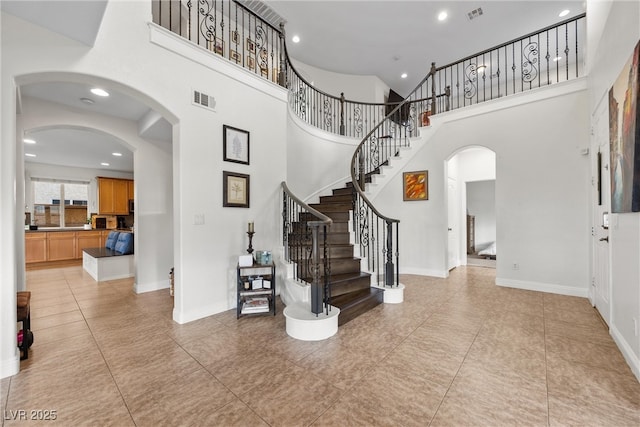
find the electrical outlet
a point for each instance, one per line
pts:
(198, 219)
(516, 266)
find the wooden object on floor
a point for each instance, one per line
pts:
(24, 315)
(471, 234)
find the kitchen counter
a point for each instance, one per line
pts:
(57, 229)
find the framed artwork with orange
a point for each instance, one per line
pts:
(415, 185)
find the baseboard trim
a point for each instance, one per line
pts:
(627, 352)
(150, 287)
(11, 366)
(425, 272)
(191, 315)
(543, 287)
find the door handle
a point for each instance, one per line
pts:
(605, 239)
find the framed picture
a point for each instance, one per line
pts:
(235, 190)
(234, 37)
(251, 45)
(251, 62)
(235, 56)
(219, 46)
(235, 144)
(415, 185)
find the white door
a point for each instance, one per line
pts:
(452, 227)
(602, 201)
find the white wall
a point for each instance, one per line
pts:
(618, 31)
(541, 189)
(481, 203)
(155, 67)
(355, 87)
(319, 161)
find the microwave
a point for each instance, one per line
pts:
(108, 222)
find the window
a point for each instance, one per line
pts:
(59, 204)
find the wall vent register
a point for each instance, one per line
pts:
(203, 100)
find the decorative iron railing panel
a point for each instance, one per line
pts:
(551, 55)
(304, 236)
(225, 28)
(377, 237)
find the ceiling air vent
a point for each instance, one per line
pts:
(475, 13)
(265, 12)
(204, 100)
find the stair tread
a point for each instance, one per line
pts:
(336, 278)
(353, 298)
(343, 277)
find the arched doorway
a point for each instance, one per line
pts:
(63, 101)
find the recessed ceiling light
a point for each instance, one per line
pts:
(29, 154)
(442, 15)
(403, 75)
(116, 154)
(87, 101)
(295, 39)
(28, 141)
(104, 164)
(564, 13)
(99, 92)
(557, 58)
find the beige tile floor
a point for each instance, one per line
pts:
(460, 352)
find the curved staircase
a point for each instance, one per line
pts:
(350, 286)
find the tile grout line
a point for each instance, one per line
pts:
(368, 371)
(458, 371)
(124, 401)
(218, 379)
(6, 402)
(546, 364)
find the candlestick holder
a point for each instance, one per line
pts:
(250, 248)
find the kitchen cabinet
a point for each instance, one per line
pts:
(113, 196)
(61, 245)
(35, 247)
(88, 239)
(131, 192)
(42, 246)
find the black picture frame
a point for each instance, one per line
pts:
(235, 145)
(235, 190)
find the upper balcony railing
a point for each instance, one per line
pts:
(226, 28)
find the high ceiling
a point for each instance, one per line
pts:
(362, 37)
(387, 38)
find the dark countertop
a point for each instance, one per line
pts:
(57, 229)
(103, 252)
